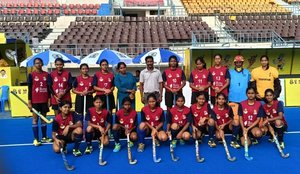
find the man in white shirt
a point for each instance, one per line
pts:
(150, 81)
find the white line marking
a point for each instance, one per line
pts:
(30, 144)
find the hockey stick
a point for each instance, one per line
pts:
(174, 158)
(34, 110)
(227, 151)
(198, 158)
(174, 99)
(101, 162)
(68, 167)
(249, 158)
(155, 159)
(277, 143)
(129, 152)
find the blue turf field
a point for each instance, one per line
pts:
(28, 159)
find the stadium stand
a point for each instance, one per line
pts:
(287, 26)
(210, 7)
(292, 1)
(144, 3)
(89, 33)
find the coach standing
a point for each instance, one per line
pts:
(150, 81)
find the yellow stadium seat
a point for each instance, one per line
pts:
(2, 38)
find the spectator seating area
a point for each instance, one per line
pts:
(287, 26)
(53, 8)
(89, 33)
(144, 2)
(210, 7)
(292, 1)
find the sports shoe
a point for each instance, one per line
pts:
(181, 142)
(88, 150)
(46, 140)
(254, 141)
(141, 147)
(271, 139)
(173, 143)
(117, 147)
(65, 149)
(282, 145)
(76, 152)
(157, 142)
(235, 144)
(36, 143)
(211, 143)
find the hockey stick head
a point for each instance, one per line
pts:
(231, 159)
(133, 162)
(249, 158)
(68, 167)
(157, 160)
(174, 158)
(200, 160)
(285, 155)
(102, 163)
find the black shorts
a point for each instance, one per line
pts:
(195, 94)
(122, 132)
(203, 129)
(111, 98)
(213, 100)
(67, 139)
(169, 100)
(227, 130)
(41, 107)
(96, 134)
(250, 135)
(79, 103)
(285, 126)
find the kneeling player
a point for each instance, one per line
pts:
(67, 128)
(202, 120)
(275, 116)
(99, 122)
(152, 120)
(223, 116)
(250, 112)
(179, 119)
(125, 123)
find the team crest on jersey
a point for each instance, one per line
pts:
(102, 120)
(226, 115)
(44, 78)
(221, 74)
(156, 118)
(170, 75)
(195, 114)
(254, 112)
(36, 78)
(131, 120)
(121, 121)
(196, 76)
(81, 83)
(101, 79)
(184, 117)
(218, 116)
(176, 117)
(205, 113)
(64, 79)
(55, 79)
(274, 111)
(109, 80)
(204, 76)
(93, 118)
(147, 117)
(213, 73)
(245, 111)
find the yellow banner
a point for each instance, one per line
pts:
(292, 86)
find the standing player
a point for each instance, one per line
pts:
(38, 98)
(152, 118)
(125, 123)
(265, 77)
(251, 112)
(220, 78)
(200, 80)
(103, 83)
(174, 80)
(179, 119)
(82, 86)
(60, 83)
(99, 122)
(275, 115)
(223, 116)
(67, 128)
(202, 120)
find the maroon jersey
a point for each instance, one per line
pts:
(60, 84)
(222, 116)
(173, 78)
(128, 121)
(200, 78)
(153, 117)
(179, 116)
(84, 83)
(218, 78)
(199, 113)
(272, 111)
(250, 113)
(40, 93)
(104, 81)
(63, 122)
(98, 118)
